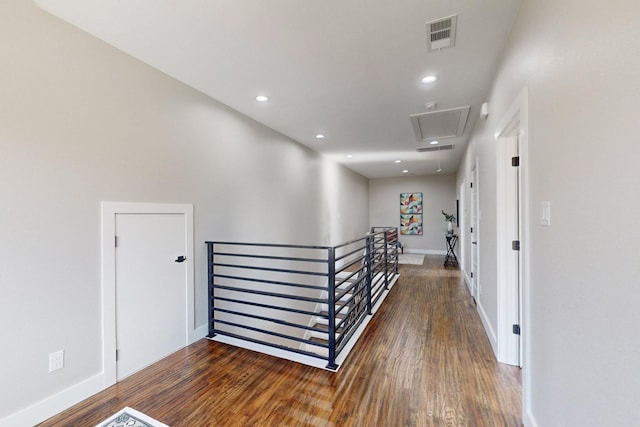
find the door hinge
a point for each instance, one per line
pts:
(516, 329)
(115, 241)
(515, 245)
(471, 184)
(472, 229)
(515, 161)
(472, 274)
(117, 355)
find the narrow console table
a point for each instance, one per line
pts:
(451, 258)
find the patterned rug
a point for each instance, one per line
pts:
(129, 417)
(415, 259)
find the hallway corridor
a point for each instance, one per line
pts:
(424, 360)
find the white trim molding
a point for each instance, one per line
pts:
(516, 122)
(52, 405)
(491, 334)
(426, 251)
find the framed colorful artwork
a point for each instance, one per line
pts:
(411, 213)
(410, 203)
(411, 224)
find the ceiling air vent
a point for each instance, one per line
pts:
(432, 148)
(441, 33)
(440, 124)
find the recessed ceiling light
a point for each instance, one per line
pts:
(262, 98)
(349, 156)
(434, 142)
(439, 170)
(319, 136)
(405, 171)
(398, 161)
(429, 79)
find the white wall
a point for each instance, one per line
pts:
(438, 193)
(81, 123)
(581, 367)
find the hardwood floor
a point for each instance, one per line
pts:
(424, 360)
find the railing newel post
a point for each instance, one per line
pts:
(369, 279)
(386, 260)
(331, 306)
(397, 246)
(211, 302)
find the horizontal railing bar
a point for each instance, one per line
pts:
(351, 264)
(378, 277)
(263, 331)
(349, 328)
(340, 308)
(348, 278)
(276, 270)
(350, 242)
(355, 251)
(381, 229)
(269, 319)
(280, 258)
(267, 245)
(273, 307)
(342, 292)
(270, 282)
(268, 344)
(269, 294)
(375, 265)
(376, 297)
(379, 285)
(343, 339)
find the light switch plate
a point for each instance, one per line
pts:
(545, 213)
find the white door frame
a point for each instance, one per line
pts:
(461, 227)
(514, 123)
(109, 211)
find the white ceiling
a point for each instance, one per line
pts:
(349, 69)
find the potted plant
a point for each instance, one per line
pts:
(450, 219)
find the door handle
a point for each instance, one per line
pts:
(474, 243)
(181, 259)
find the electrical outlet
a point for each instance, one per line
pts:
(56, 360)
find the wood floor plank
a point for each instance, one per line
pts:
(424, 360)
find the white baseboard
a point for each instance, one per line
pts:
(529, 419)
(52, 405)
(55, 404)
(493, 340)
(467, 281)
(198, 333)
(425, 251)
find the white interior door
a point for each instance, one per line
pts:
(509, 242)
(461, 226)
(512, 263)
(474, 232)
(151, 289)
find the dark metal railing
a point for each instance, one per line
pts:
(304, 299)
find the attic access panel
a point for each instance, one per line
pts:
(440, 124)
